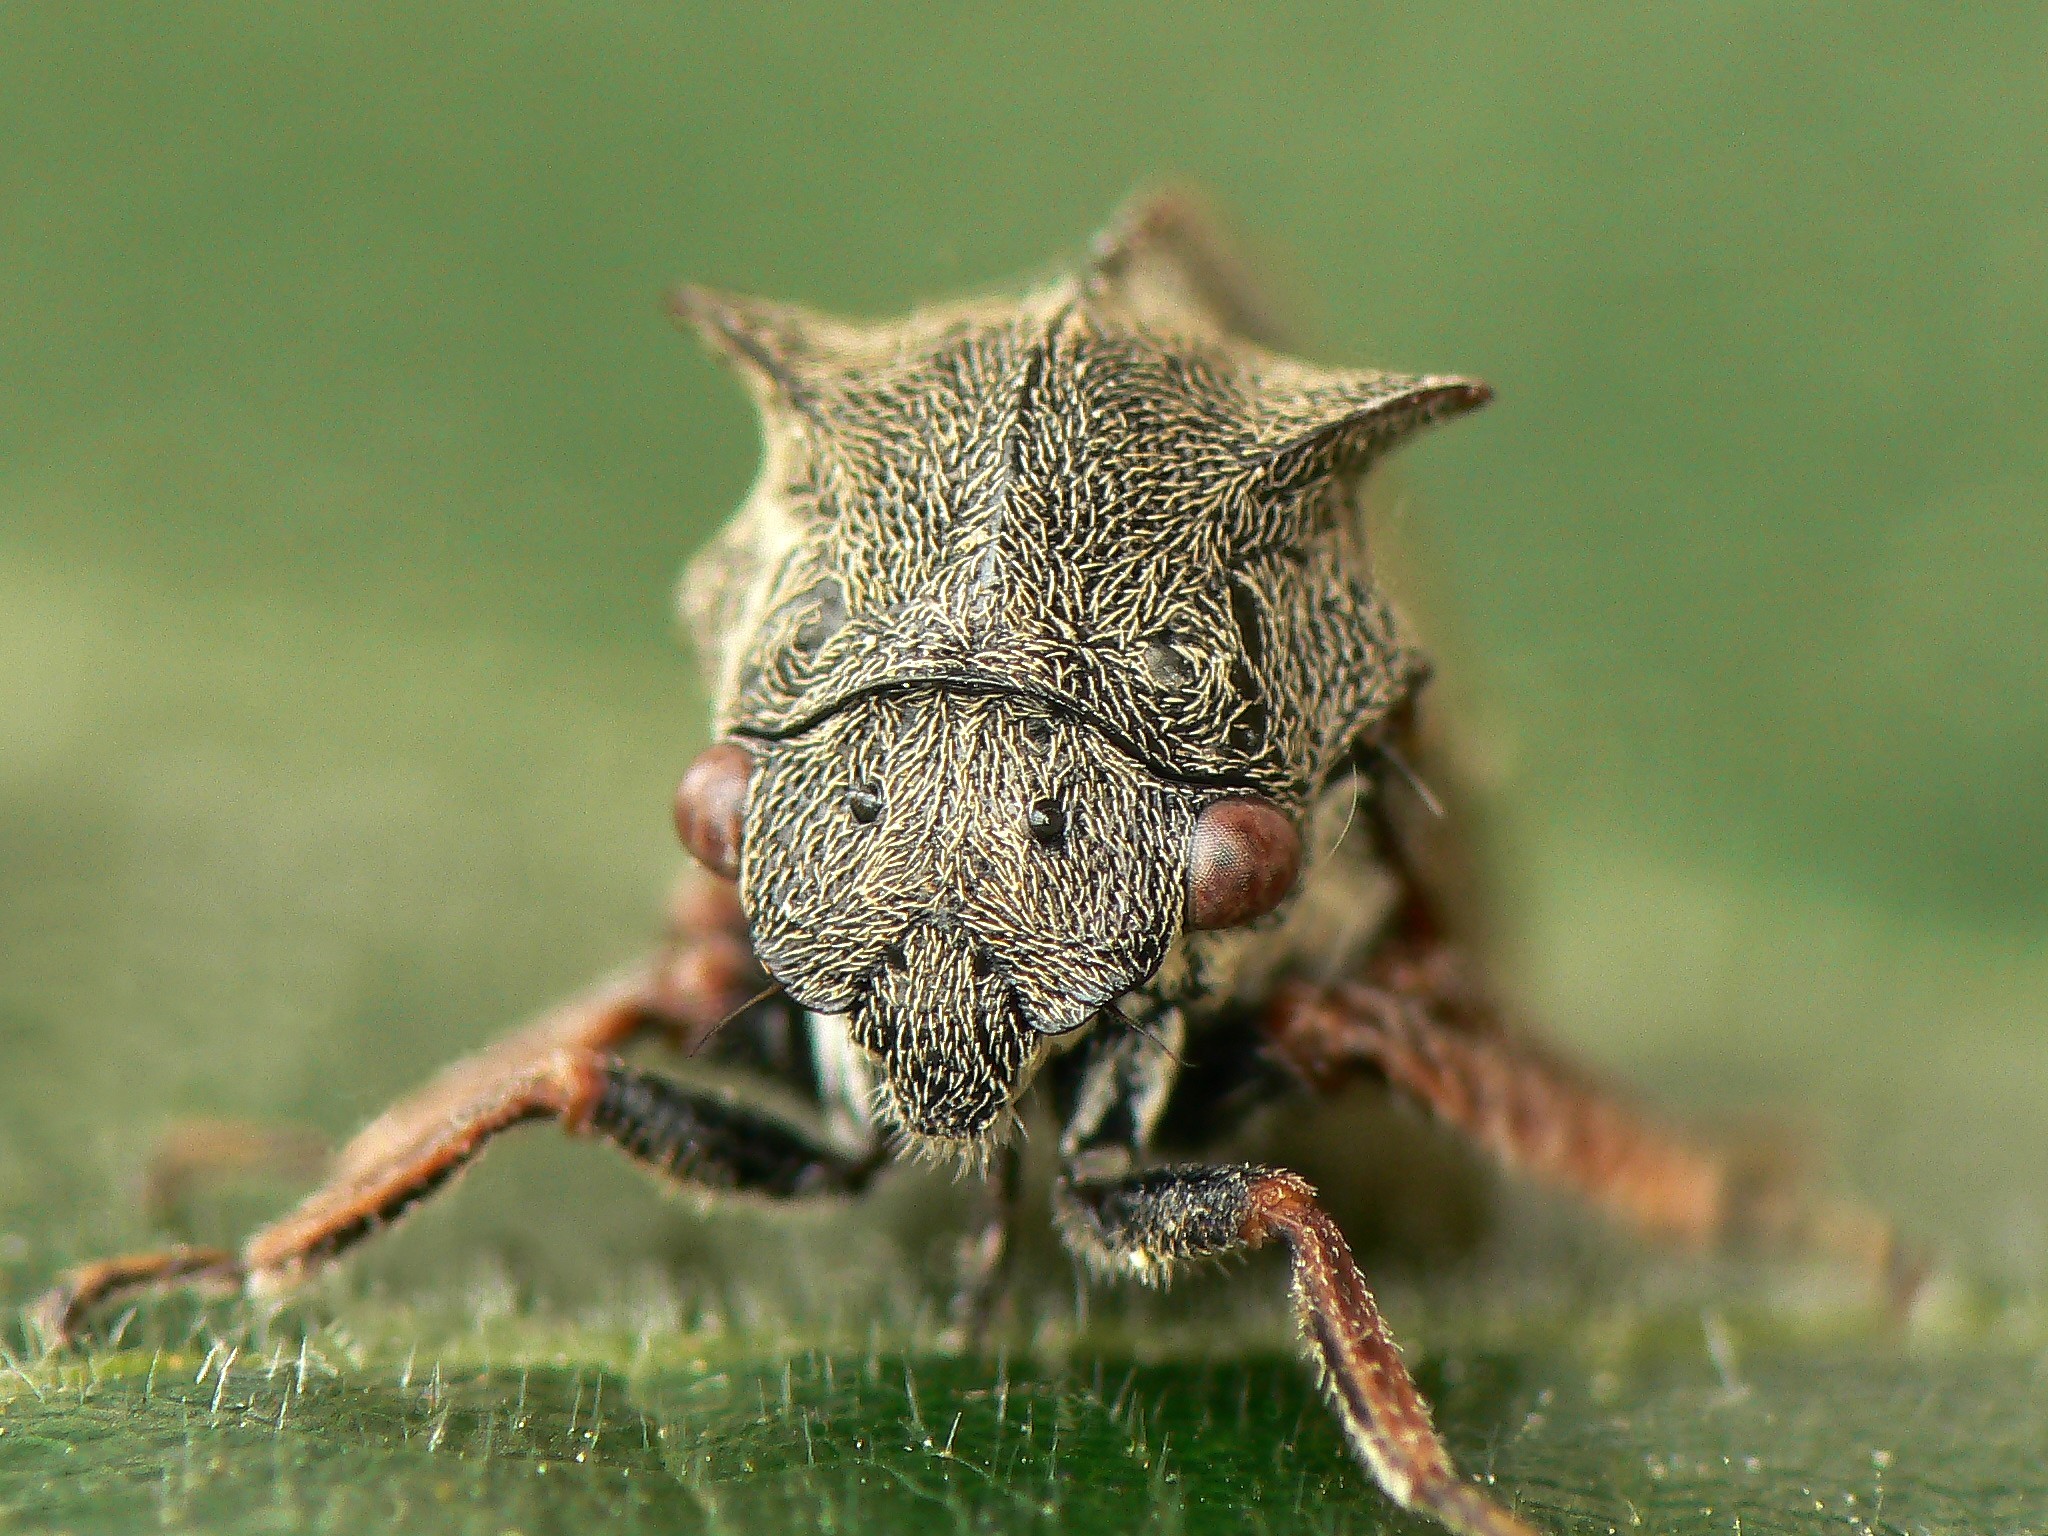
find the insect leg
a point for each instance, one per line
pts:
(703, 1137)
(447, 1109)
(692, 1134)
(985, 1256)
(1553, 1122)
(689, 988)
(1142, 1226)
(705, 971)
(684, 992)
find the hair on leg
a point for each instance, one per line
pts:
(701, 1136)
(1551, 1121)
(1145, 1225)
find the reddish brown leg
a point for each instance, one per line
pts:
(690, 1134)
(1420, 1017)
(556, 1067)
(1142, 1226)
(65, 1305)
(1431, 1038)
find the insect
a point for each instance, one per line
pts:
(1064, 745)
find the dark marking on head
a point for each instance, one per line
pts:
(1167, 666)
(1251, 628)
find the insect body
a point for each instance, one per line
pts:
(1060, 742)
(1042, 632)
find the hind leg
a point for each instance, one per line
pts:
(1414, 1022)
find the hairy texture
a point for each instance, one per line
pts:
(1023, 587)
(1151, 531)
(902, 865)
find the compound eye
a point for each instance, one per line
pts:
(711, 805)
(1245, 858)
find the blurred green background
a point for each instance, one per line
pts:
(346, 462)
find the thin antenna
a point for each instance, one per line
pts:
(1114, 1011)
(771, 990)
(1423, 792)
(1350, 814)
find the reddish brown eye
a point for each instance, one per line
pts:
(1245, 859)
(711, 804)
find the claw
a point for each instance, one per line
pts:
(60, 1311)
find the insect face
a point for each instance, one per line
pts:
(962, 876)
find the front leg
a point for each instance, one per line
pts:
(561, 1066)
(700, 1136)
(1143, 1225)
(694, 992)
